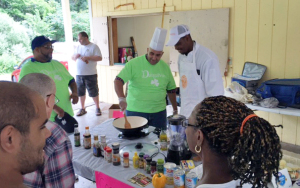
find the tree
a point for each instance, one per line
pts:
(14, 43)
(18, 8)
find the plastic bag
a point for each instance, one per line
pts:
(271, 102)
(238, 92)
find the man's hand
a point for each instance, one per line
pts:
(122, 103)
(74, 98)
(60, 112)
(77, 56)
(85, 59)
(175, 112)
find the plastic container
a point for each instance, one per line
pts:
(135, 160)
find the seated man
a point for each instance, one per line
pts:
(58, 169)
(22, 133)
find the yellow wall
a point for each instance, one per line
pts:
(262, 31)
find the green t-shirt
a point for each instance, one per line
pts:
(148, 85)
(61, 77)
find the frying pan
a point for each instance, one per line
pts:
(137, 124)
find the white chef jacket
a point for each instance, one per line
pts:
(193, 87)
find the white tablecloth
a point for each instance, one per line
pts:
(85, 163)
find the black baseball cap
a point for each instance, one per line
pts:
(40, 41)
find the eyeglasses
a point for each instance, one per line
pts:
(49, 47)
(56, 99)
(186, 124)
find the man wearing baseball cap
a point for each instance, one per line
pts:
(198, 67)
(42, 62)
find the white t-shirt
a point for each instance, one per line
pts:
(89, 50)
(232, 184)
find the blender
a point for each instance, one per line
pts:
(178, 149)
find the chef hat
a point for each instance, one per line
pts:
(158, 40)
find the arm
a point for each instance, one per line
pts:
(172, 97)
(75, 56)
(74, 95)
(60, 174)
(120, 93)
(119, 87)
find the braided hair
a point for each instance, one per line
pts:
(253, 155)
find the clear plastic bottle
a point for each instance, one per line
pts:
(135, 160)
(87, 142)
(163, 140)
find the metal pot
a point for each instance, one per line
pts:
(137, 124)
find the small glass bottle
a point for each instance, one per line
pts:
(108, 154)
(145, 162)
(163, 140)
(153, 167)
(102, 144)
(116, 156)
(96, 147)
(141, 160)
(87, 139)
(148, 166)
(77, 137)
(160, 166)
(126, 159)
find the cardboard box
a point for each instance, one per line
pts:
(114, 111)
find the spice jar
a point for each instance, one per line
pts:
(145, 162)
(141, 160)
(126, 159)
(148, 166)
(116, 156)
(108, 154)
(160, 166)
(153, 167)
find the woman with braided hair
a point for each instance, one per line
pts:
(236, 146)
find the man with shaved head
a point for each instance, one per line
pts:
(58, 170)
(22, 133)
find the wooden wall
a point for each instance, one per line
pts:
(262, 31)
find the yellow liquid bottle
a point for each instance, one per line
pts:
(163, 140)
(135, 160)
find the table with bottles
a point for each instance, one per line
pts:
(85, 163)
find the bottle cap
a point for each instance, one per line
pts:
(160, 161)
(141, 154)
(149, 159)
(108, 150)
(103, 138)
(153, 163)
(125, 154)
(86, 128)
(146, 156)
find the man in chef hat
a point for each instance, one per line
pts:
(199, 71)
(150, 79)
